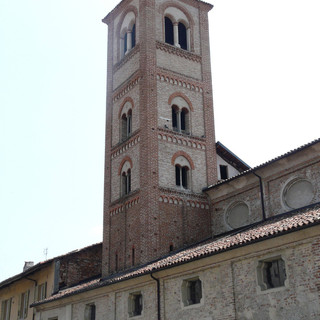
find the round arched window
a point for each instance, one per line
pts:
(298, 193)
(237, 215)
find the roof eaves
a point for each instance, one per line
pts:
(287, 154)
(202, 251)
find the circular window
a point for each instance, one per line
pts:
(298, 193)
(238, 215)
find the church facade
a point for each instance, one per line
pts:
(190, 230)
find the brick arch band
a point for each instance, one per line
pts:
(182, 153)
(128, 99)
(124, 160)
(181, 95)
(168, 4)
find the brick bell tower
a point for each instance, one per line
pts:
(160, 143)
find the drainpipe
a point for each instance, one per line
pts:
(35, 281)
(158, 295)
(262, 197)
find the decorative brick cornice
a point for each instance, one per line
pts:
(178, 52)
(128, 86)
(176, 197)
(126, 58)
(125, 145)
(181, 139)
(121, 207)
(177, 80)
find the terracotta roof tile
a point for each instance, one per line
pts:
(274, 226)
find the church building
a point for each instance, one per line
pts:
(190, 231)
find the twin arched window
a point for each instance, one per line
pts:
(182, 166)
(127, 34)
(126, 182)
(182, 176)
(176, 34)
(126, 125)
(125, 176)
(177, 31)
(180, 119)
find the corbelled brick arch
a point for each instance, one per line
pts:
(183, 96)
(127, 99)
(183, 154)
(124, 160)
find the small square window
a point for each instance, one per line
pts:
(191, 291)
(135, 304)
(271, 273)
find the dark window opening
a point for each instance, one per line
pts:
(133, 39)
(182, 36)
(174, 118)
(181, 176)
(171, 247)
(168, 31)
(126, 182)
(184, 113)
(178, 176)
(132, 256)
(135, 304)
(92, 312)
(223, 172)
(125, 44)
(126, 125)
(129, 123)
(194, 291)
(274, 274)
(184, 177)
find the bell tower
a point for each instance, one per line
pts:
(160, 143)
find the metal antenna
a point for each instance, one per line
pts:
(45, 252)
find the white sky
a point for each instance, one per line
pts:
(266, 80)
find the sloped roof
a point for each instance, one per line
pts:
(272, 227)
(231, 158)
(285, 155)
(41, 265)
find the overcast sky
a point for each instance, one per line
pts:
(266, 80)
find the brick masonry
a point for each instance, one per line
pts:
(150, 76)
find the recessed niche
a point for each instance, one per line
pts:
(298, 193)
(237, 215)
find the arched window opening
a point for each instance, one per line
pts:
(133, 36)
(126, 125)
(182, 176)
(168, 25)
(185, 120)
(126, 182)
(180, 120)
(125, 43)
(175, 116)
(182, 30)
